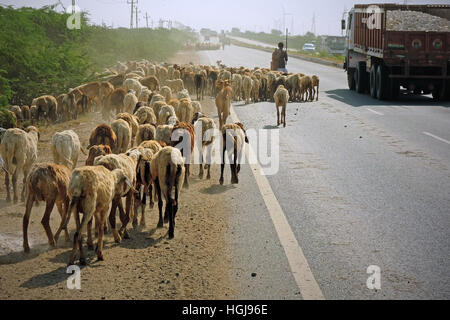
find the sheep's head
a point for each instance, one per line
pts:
(245, 133)
(33, 129)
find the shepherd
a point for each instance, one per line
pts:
(279, 59)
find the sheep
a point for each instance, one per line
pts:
(223, 101)
(50, 183)
(145, 115)
(164, 133)
(185, 111)
(128, 165)
(183, 94)
(182, 138)
(233, 137)
(200, 84)
(145, 132)
(123, 133)
(237, 84)
(133, 84)
(18, 150)
(129, 101)
(162, 74)
(103, 134)
(96, 91)
(143, 179)
(247, 86)
(281, 98)
(212, 78)
(255, 90)
(26, 113)
(204, 127)
(132, 122)
(95, 151)
(176, 85)
(47, 106)
(145, 95)
(165, 113)
(66, 148)
(196, 106)
(315, 87)
(293, 86)
(155, 99)
(305, 88)
(153, 145)
(166, 92)
(114, 103)
(151, 82)
(263, 91)
(17, 111)
(102, 186)
(167, 173)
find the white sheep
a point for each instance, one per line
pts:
(165, 113)
(66, 148)
(281, 98)
(19, 152)
(132, 84)
(129, 101)
(247, 85)
(145, 115)
(164, 133)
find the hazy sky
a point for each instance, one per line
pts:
(254, 15)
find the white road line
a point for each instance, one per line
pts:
(301, 271)
(376, 112)
(436, 137)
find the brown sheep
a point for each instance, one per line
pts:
(114, 103)
(281, 98)
(103, 134)
(47, 106)
(151, 82)
(95, 151)
(305, 88)
(132, 122)
(50, 183)
(167, 173)
(223, 101)
(315, 87)
(145, 132)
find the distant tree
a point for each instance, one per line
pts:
(235, 31)
(276, 32)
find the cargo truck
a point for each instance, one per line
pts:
(385, 51)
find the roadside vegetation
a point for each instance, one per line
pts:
(40, 55)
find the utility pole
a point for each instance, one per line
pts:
(313, 26)
(146, 18)
(137, 16)
(132, 11)
(73, 6)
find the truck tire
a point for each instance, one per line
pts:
(373, 80)
(382, 83)
(361, 78)
(395, 89)
(351, 78)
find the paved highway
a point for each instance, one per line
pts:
(361, 183)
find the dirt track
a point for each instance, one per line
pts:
(194, 265)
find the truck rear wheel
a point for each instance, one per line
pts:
(373, 80)
(382, 83)
(360, 78)
(351, 78)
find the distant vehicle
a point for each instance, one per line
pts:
(309, 47)
(383, 55)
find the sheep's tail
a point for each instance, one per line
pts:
(172, 180)
(9, 163)
(177, 180)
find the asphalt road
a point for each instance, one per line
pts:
(361, 182)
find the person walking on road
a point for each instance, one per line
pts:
(279, 59)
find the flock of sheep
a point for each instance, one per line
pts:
(143, 151)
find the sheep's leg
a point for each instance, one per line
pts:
(283, 114)
(186, 176)
(24, 185)
(234, 176)
(46, 221)
(278, 115)
(144, 202)
(61, 212)
(8, 195)
(137, 204)
(208, 161)
(76, 243)
(169, 210)
(90, 242)
(101, 231)
(200, 173)
(128, 216)
(14, 183)
(26, 219)
(160, 203)
(222, 164)
(112, 221)
(150, 195)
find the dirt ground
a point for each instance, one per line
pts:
(194, 265)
